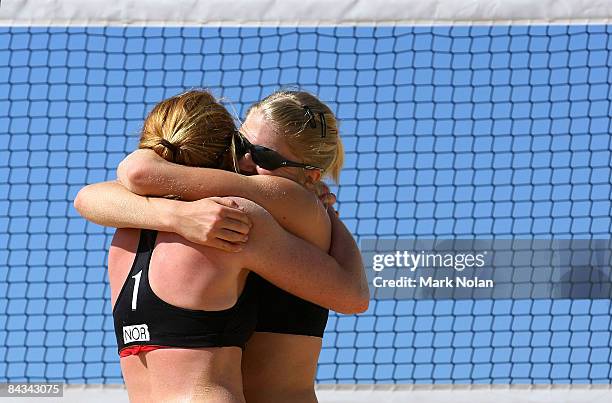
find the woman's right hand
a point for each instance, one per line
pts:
(218, 222)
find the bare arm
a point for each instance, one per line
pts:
(345, 251)
(214, 222)
(303, 269)
(146, 173)
(348, 294)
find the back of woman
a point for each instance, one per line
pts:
(151, 293)
(182, 312)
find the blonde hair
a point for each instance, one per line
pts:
(191, 129)
(310, 127)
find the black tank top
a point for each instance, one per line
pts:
(142, 318)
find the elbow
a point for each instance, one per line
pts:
(80, 201)
(85, 202)
(360, 292)
(363, 303)
(357, 303)
(133, 176)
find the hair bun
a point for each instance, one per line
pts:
(172, 147)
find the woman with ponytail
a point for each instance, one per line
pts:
(289, 142)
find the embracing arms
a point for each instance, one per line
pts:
(145, 173)
(215, 222)
(295, 209)
(336, 282)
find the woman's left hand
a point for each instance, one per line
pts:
(218, 222)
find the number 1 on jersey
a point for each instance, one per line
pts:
(136, 278)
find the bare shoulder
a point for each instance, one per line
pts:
(254, 210)
(283, 187)
(126, 239)
(313, 226)
(296, 196)
(120, 258)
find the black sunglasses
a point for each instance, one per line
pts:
(265, 157)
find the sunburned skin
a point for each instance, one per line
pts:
(196, 277)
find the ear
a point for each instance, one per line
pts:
(312, 175)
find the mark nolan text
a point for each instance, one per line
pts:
(458, 282)
(430, 282)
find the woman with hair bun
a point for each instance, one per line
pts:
(287, 144)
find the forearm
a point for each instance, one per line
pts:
(146, 173)
(307, 272)
(112, 205)
(345, 251)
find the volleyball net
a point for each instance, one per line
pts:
(487, 126)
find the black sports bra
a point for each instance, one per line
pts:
(142, 318)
